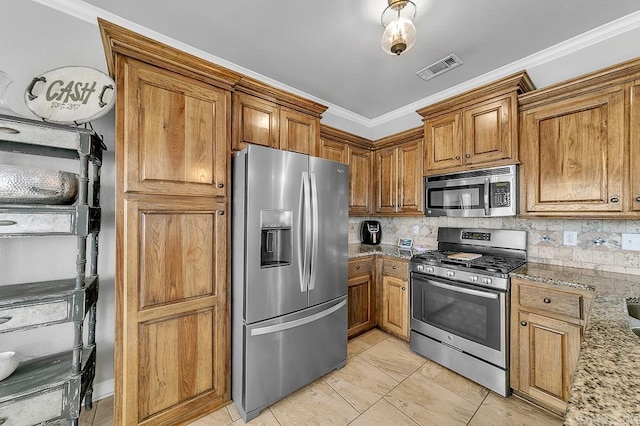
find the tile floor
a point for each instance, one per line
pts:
(383, 383)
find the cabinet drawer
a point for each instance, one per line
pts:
(395, 268)
(559, 302)
(27, 316)
(34, 409)
(360, 267)
(36, 223)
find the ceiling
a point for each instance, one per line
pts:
(330, 49)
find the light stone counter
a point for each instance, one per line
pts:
(360, 250)
(606, 383)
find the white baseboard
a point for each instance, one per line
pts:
(103, 390)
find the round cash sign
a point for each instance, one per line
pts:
(71, 95)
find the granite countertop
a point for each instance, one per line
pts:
(360, 250)
(606, 383)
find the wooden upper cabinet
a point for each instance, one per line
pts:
(333, 150)
(443, 142)
(476, 129)
(255, 121)
(176, 133)
(399, 178)
(360, 181)
(634, 156)
(574, 154)
(488, 131)
(298, 132)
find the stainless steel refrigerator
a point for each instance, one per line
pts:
(289, 274)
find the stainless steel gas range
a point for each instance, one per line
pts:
(460, 301)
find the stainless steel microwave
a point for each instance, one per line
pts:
(478, 193)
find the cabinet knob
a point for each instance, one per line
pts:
(393, 267)
(523, 323)
(221, 185)
(467, 155)
(614, 199)
(457, 157)
(358, 267)
(546, 300)
(221, 212)
(2, 321)
(404, 288)
(638, 199)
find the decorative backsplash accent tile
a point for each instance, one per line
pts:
(599, 241)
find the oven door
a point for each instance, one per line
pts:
(468, 318)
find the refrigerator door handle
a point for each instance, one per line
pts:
(300, 234)
(305, 243)
(297, 323)
(315, 229)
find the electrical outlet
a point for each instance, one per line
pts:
(415, 229)
(570, 238)
(630, 241)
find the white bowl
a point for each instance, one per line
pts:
(8, 364)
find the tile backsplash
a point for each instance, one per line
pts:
(599, 244)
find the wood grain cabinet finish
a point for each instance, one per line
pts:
(399, 179)
(574, 154)
(360, 181)
(580, 141)
(255, 121)
(175, 133)
(361, 296)
(546, 332)
(333, 150)
(298, 132)
(173, 121)
(394, 304)
(476, 129)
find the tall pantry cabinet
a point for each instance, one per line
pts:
(172, 198)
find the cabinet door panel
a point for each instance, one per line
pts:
(395, 305)
(410, 184)
(443, 143)
(487, 135)
(334, 151)
(574, 154)
(634, 167)
(298, 132)
(548, 352)
(386, 180)
(176, 137)
(360, 309)
(360, 182)
(255, 121)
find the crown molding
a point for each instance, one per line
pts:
(90, 13)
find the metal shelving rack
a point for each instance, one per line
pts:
(50, 389)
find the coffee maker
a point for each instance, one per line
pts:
(371, 232)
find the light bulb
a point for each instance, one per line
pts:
(399, 36)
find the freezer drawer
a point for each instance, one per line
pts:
(287, 353)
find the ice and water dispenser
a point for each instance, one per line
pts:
(276, 240)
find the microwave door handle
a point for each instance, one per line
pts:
(464, 290)
(486, 197)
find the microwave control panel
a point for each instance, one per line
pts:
(500, 193)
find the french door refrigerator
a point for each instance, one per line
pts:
(289, 274)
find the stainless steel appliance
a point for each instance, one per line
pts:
(460, 299)
(371, 232)
(478, 193)
(289, 274)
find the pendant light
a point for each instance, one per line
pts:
(399, 32)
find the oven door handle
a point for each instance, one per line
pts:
(465, 290)
(486, 197)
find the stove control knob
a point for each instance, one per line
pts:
(451, 274)
(487, 280)
(420, 268)
(430, 269)
(473, 278)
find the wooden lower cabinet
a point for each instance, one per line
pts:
(394, 304)
(546, 332)
(361, 296)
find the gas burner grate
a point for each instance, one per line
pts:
(485, 262)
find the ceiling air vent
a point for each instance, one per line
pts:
(437, 68)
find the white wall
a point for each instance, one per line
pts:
(35, 38)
